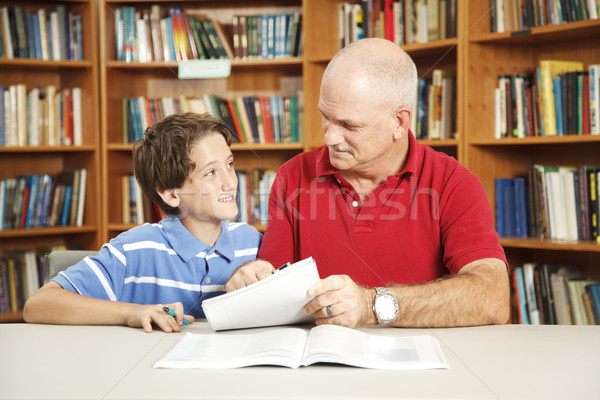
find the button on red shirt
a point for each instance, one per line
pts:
(425, 222)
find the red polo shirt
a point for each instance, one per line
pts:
(430, 219)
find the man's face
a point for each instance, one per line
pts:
(358, 128)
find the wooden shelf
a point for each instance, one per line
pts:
(48, 149)
(49, 231)
(542, 34)
(546, 140)
(11, 316)
(548, 244)
(51, 160)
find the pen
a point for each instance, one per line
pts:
(172, 314)
(287, 264)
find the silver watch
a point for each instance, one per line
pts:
(385, 306)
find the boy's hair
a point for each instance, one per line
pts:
(161, 159)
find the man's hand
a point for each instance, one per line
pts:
(142, 316)
(248, 273)
(349, 303)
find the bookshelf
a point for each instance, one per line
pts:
(488, 55)
(249, 77)
(477, 55)
(52, 159)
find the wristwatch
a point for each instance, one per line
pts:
(385, 306)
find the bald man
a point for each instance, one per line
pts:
(402, 235)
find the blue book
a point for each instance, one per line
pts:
(264, 36)
(38, 36)
(558, 106)
(46, 200)
(520, 292)
(170, 39)
(509, 209)
(30, 35)
(275, 117)
(521, 216)
(594, 294)
(64, 215)
(33, 184)
(502, 205)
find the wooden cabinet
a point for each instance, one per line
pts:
(44, 159)
(488, 55)
(249, 77)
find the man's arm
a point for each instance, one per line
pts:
(478, 295)
(52, 304)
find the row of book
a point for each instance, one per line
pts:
(561, 98)
(136, 207)
(400, 21)
(512, 15)
(44, 116)
(157, 34)
(267, 36)
(251, 119)
(21, 274)
(554, 294)
(52, 33)
(556, 202)
(252, 197)
(435, 111)
(43, 200)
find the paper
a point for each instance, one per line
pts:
(295, 347)
(275, 300)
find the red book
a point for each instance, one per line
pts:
(24, 207)
(388, 12)
(585, 104)
(68, 116)
(267, 120)
(236, 121)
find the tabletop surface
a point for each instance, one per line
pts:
(115, 362)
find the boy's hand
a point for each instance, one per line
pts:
(144, 315)
(248, 273)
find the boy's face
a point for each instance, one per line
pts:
(209, 193)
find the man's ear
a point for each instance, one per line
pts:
(170, 197)
(403, 116)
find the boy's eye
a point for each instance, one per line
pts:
(230, 165)
(210, 173)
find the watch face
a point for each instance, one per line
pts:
(386, 307)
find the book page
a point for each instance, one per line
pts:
(337, 344)
(275, 300)
(283, 347)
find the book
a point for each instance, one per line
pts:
(295, 347)
(551, 69)
(275, 300)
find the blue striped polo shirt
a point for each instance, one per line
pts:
(163, 263)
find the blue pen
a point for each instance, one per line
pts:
(172, 314)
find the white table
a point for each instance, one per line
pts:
(113, 362)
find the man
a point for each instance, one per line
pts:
(376, 209)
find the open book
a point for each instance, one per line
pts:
(295, 347)
(275, 300)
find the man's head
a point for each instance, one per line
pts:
(366, 99)
(162, 159)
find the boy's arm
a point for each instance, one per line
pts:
(52, 304)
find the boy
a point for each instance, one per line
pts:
(185, 165)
